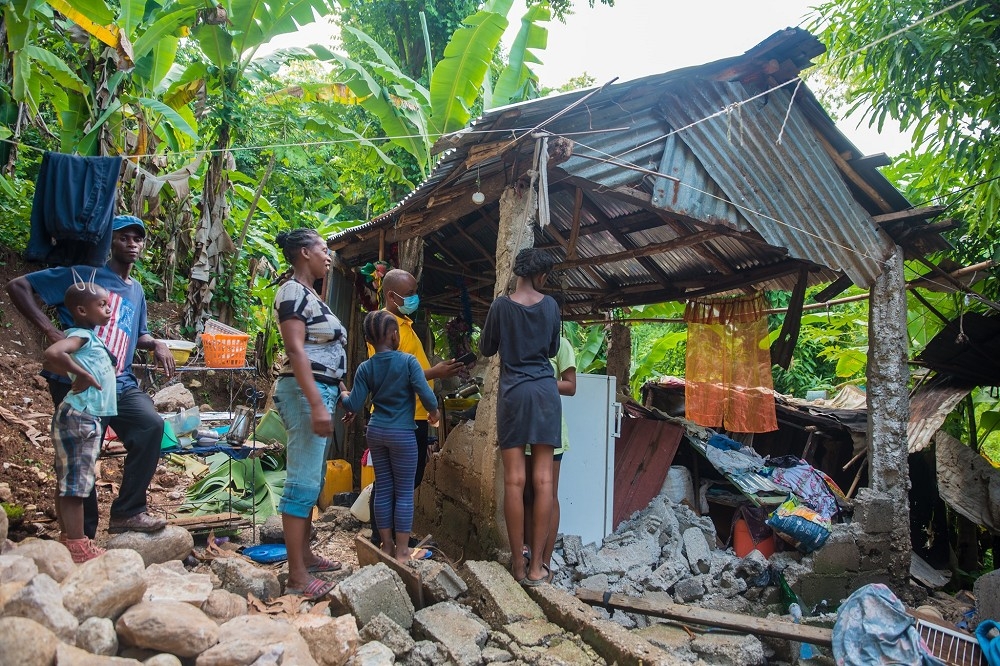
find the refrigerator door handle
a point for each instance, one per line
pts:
(619, 413)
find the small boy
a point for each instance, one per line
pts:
(76, 424)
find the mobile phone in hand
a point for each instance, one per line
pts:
(467, 359)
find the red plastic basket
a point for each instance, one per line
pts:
(224, 346)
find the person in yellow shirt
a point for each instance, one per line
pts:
(399, 291)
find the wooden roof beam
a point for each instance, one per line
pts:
(655, 248)
(651, 266)
(590, 270)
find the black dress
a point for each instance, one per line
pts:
(528, 410)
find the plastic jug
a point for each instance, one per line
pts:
(367, 475)
(339, 479)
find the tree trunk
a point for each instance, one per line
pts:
(212, 242)
(620, 355)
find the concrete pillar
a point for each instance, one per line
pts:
(460, 500)
(883, 508)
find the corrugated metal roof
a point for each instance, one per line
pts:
(803, 203)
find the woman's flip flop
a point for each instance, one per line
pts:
(421, 554)
(314, 591)
(323, 565)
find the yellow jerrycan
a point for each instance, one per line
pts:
(339, 479)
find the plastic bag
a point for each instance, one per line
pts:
(799, 525)
(361, 508)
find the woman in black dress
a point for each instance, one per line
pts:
(524, 329)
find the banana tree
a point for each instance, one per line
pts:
(229, 36)
(101, 96)
(413, 116)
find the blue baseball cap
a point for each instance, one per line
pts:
(125, 221)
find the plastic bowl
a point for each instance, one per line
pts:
(181, 350)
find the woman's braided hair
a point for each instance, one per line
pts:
(531, 261)
(378, 324)
(290, 243)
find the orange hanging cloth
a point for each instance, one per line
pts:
(728, 379)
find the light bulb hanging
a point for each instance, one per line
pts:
(478, 197)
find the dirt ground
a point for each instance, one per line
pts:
(26, 454)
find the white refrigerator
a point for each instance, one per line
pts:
(586, 476)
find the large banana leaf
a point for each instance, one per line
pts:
(153, 67)
(254, 22)
(237, 485)
(169, 115)
(459, 75)
(216, 43)
(396, 123)
(512, 83)
(168, 24)
(55, 67)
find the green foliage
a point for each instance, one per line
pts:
(660, 349)
(244, 486)
(15, 212)
(14, 513)
(937, 79)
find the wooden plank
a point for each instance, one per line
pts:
(711, 618)
(369, 553)
(209, 519)
(926, 574)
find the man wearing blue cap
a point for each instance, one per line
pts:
(137, 424)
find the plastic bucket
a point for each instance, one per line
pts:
(339, 479)
(743, 542)
(678, 486)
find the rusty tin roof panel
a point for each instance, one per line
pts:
(791, 192)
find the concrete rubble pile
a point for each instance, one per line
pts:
(139, 604)
(668, 553)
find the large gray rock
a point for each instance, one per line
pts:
(97, 636)
(168, 626)
(244, 578)
(69, 655)
(463, 634)
(105, 586)
(272, 531)
(381, 628)
(439, 580)
(372, 590)
(729, 649)
(170, 543)
(173, 398)
(696, 549)
(16, 569)
(987, 592)
(752, 566)
(690, 589)
(165, 583)
(373, 654)
(243, 640)
(24, 642)
(41, 600)
(51, 557)
(222, 606)
(495, 595)
(332, 641)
